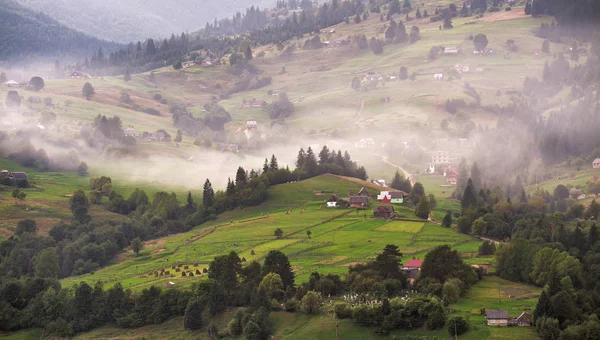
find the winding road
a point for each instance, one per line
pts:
(406, 173)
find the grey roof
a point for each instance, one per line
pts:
(496, 314)
(359, 200)
(20, 175)
(397, 194)
(384, 209)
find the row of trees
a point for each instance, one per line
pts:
(329, 161)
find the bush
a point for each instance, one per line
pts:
(311, 303)
(292, 305)
(151, 111)
(343, 310)
(508, 9)
(457, 325)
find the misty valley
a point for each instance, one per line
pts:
(300, 169)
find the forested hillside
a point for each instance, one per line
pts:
(128, 21)
(24, 32)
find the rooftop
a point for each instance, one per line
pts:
(496, 314)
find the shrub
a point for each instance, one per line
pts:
(292, 305)
(457, 325)
(343, 310)
(311, 303)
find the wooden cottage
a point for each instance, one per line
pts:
(497, 317)
(358, 201)
(332, 201)
(523, 320)
(363, 192)
(384, 212)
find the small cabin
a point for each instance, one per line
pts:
(386, 212)
(497, 317)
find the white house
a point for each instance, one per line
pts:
(129, 132)
(332, 201)
(450, 51)
(11, 83)
(438, 76)
(596, 163)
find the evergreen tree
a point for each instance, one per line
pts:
(192, 319)
(416, 193)
(406, 4)
(324, 156)
(248, 53)
(137, 245)
(127, 76)
(542, 307)
(528, 8)
(448, 23)
(300, 159)
(179, 136)
(278, 263)
(357, 18)
(310, 163)
(423, 209)
(462, 178)
(150, 47)
(546, 46)
(403, 73)
(546, 76)
(469, 197)
(88, 91)
(266, 168)
(418, 14)
(208, 194)
(273, 166)
(241, 179)
(425, 14)
(447, 221)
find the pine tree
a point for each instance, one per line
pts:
(469, 197)
(546, 46)
(448, 23)
(208, 194)
(241, 179)
(462, 178)
(528, 8)
(425, 14)
(324, 155)
(192, 319)
(447, 221)
(273, 166)
(179, 136)
(418, 14)
(357, 18)
(300, 159)
(310, 163)
(476, 177)
(266, 166)
(248, 53)
(542, 306)
(423, 208)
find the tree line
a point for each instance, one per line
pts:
(374, 294)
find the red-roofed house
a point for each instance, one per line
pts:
(413, 264)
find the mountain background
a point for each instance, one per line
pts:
(26, 33)
(133, 20)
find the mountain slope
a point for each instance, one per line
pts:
(134, 20)
(24, 32)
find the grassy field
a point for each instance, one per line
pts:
(339, 238)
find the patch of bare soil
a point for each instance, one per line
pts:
(352, 264)
(158, 251)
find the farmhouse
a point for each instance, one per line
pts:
(251, 125)
(363, 192)
(596, 163)
(523, 320)
(497, 317)
(364, 142)
(80, 75)
(11, 83)
(332, 201)
(384, 212)
(451, 179)
(483, 266)
(438, 76)
(440, 157)
(129, 132)
(413, 264)
(18, 175)
(395, 197)
(411, 275)
(576, 193)
(358, 201)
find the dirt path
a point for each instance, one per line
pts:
(406, 173)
